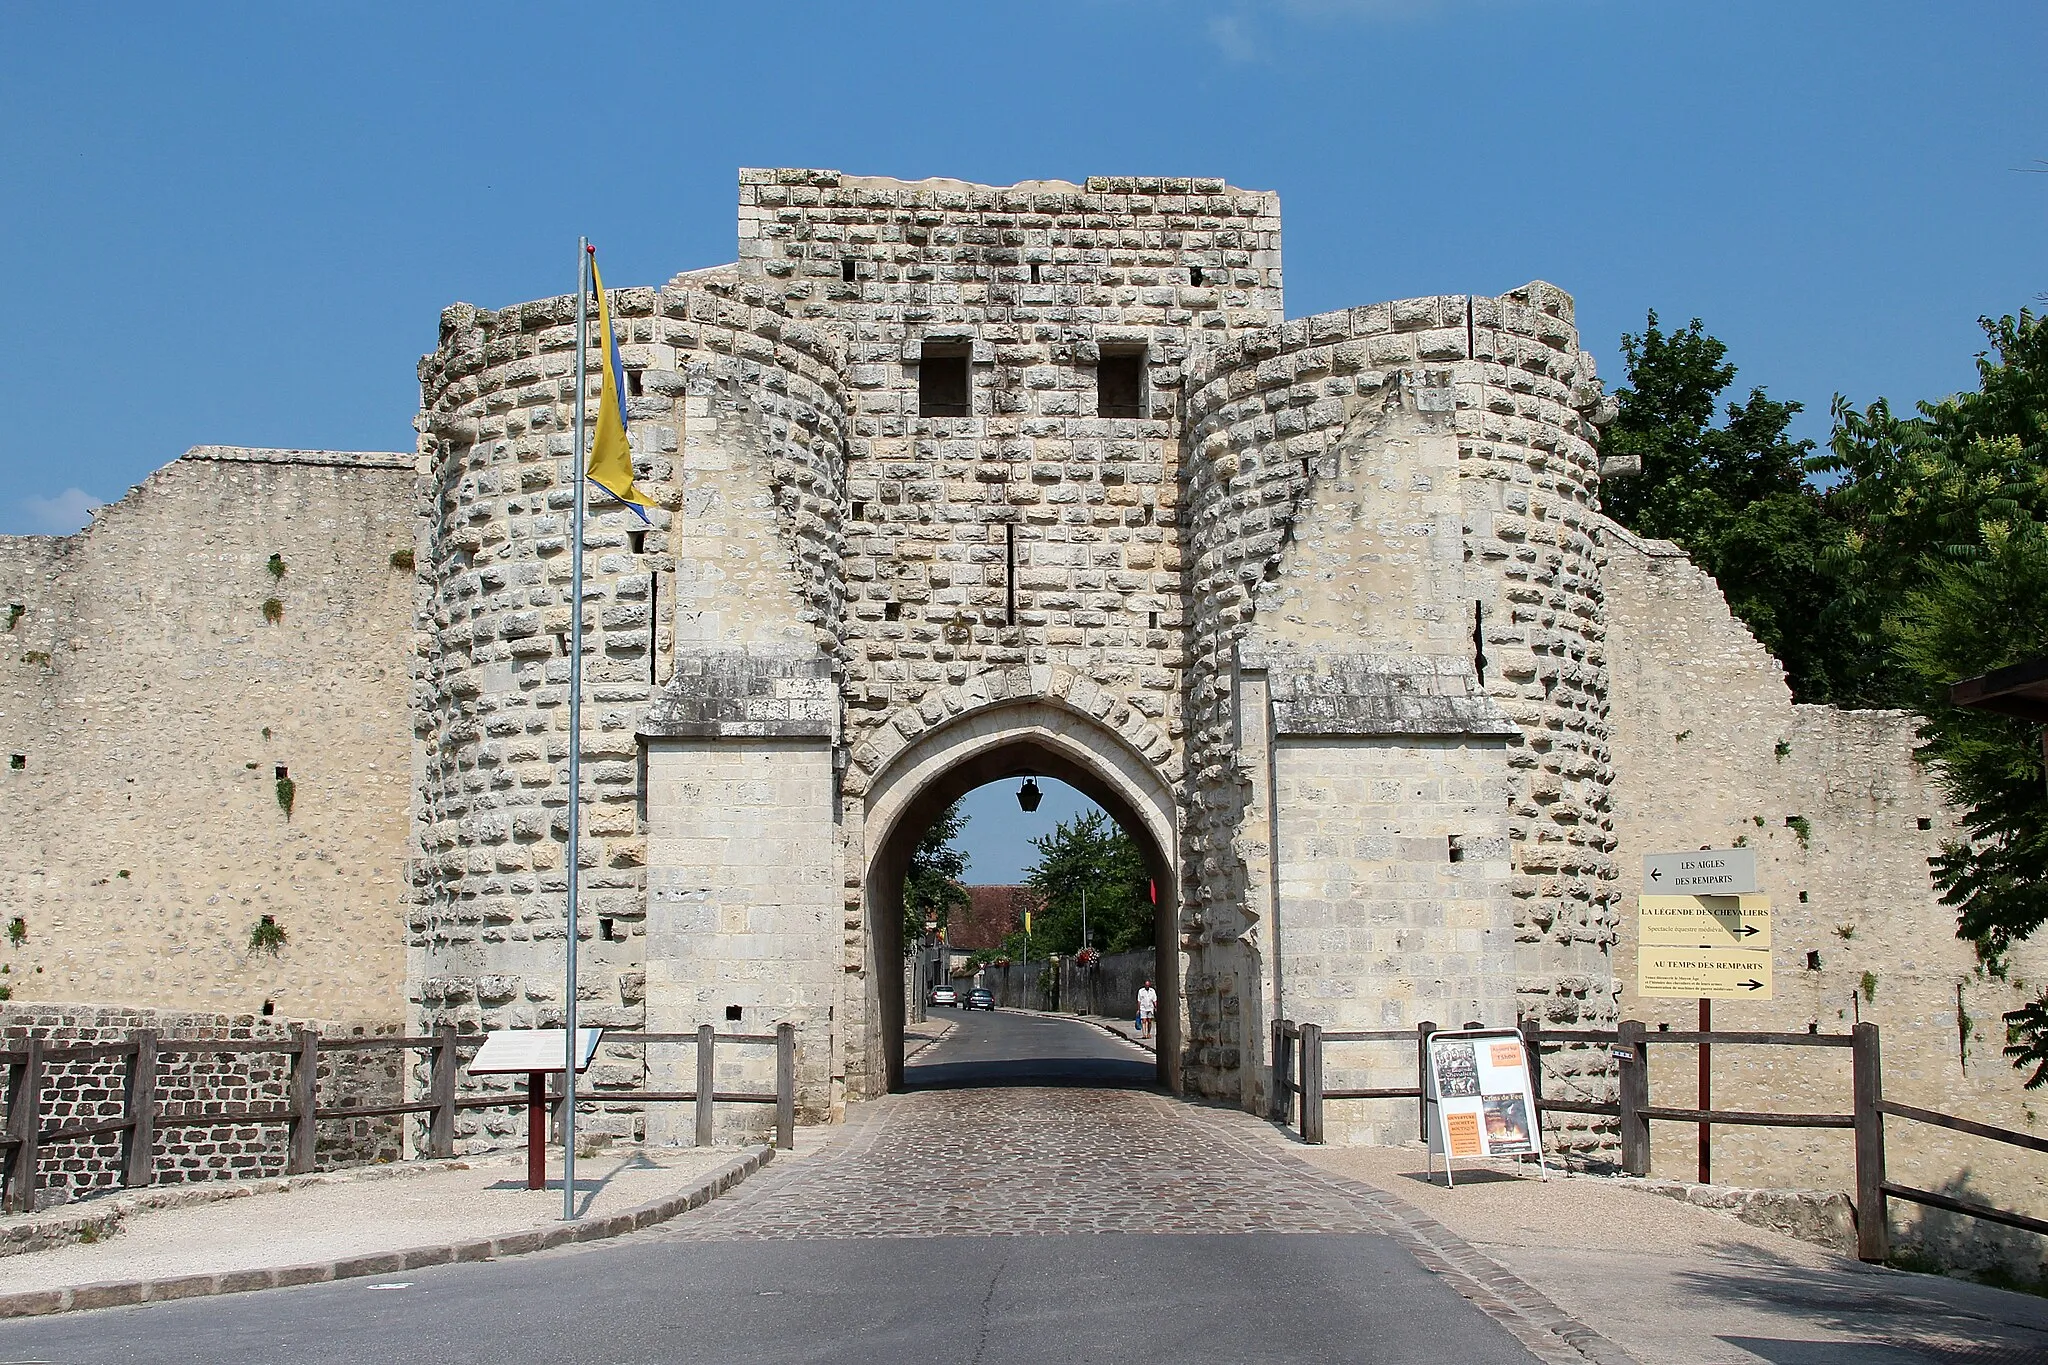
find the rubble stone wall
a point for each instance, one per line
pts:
(1711, 751)
(154, 704)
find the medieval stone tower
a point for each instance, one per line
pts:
(964, 483)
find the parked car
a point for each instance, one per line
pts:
(945, 995)
(981, 998)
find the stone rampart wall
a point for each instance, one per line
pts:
(154, 703)
(190, 1083)
(1711, 751)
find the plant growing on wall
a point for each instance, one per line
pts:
(39, 657)
(287, 792)
(402, 559)
(276, 566)
(1802, 827)
(17, 931)
(1869, 985)
(267, 936)
(14, 612)
(273, 610)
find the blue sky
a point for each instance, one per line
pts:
(239, 223)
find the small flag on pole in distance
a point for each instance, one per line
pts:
(611, 457)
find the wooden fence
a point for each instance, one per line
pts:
(141, 1119)
(1298, 1075)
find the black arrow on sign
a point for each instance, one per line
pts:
(1656, 874)
(1752, 984)
(1748, 929)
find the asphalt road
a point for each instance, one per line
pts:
(1010, 1047)
(743, 1281)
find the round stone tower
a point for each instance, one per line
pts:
(731, 406)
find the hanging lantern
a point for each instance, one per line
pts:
(1028, 795)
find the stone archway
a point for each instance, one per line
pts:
(990, 738)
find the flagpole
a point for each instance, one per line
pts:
(575, 735)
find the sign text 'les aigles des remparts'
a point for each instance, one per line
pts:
(1702, 931)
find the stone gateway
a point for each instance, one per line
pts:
(965, 483)
(956, 484)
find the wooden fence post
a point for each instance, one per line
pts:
(785, 1086)
(1422, 1032)
(441, 1090)
(1312, 1083)
(1634, 1094)
(1280, 1102)
(1873, 1219)
(24, 1125)
(302, 1129)
(1532, 1040)
(706, 1075)
(138, 1107)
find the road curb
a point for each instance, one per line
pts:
(1150, 1045)
(127, 1293)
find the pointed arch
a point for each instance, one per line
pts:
(1011, 736)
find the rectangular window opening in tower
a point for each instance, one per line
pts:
(847, 271)
(1120, 384)
(943, 389)
(1034, 274)
(633, 384)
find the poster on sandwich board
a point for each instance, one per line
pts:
(1485, 1106)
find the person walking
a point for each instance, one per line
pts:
(1148, 1005)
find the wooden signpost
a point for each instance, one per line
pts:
(539, 1052)
(1702, 933)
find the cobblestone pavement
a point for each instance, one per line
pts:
(1026, 1161)
(1022, 1160)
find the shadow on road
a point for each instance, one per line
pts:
(1901, 1317)
(1102, 1073)
(1014, 1047)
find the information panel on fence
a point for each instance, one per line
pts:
(1485, 1105)
(512, 1051)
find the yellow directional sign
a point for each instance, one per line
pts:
(1689, 973)
(1704, 921)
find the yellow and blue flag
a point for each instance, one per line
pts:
(611, 456)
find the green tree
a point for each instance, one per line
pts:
(931, 887)
(1094, 853)
(1950, 519)
(1733, 496)
(1915, 494)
